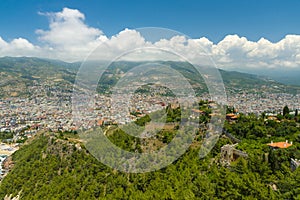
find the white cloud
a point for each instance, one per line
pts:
(18, 47)
(2, 43)
(68, 34)
(22, 44)
(67, 28)
(69, 38)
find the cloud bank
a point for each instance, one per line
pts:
(69, 38)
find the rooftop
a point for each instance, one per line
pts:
(281, 145)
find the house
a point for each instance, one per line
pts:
(280, 145)
(100, 122)
(231, 116)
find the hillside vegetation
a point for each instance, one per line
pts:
(56, 166)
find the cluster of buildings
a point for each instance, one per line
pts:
(49, 107)
(119, 109)
(44, 109)
(263, 102)
(5, 151)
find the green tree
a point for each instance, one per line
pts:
(286, 111)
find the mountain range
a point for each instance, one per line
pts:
(18, 73)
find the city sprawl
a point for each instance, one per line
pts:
(51, 109)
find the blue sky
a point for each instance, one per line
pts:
(213, 19)
(236, 34)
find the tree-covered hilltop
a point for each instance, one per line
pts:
(57, 166)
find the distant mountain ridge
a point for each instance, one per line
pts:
(17, 73)
(288, 76)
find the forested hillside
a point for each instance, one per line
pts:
(56, 166)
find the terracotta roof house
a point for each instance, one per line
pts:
(280, 145)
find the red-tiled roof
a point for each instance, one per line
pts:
(281, 145)
(230, 115)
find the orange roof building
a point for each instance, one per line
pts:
(231, 116)
(281, 145)
(100, 122)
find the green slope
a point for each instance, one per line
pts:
(54, 166)
(18, 73)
